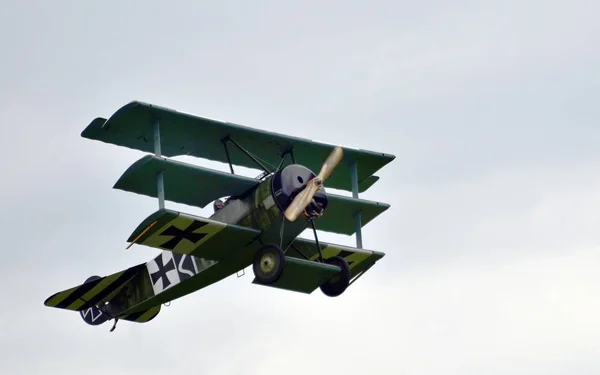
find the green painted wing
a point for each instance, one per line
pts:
(185, 134)
(303, 276)
(339, 214)
(184, 183)
(196, 186)
(306, 275)
(359, 260)
(191, 235)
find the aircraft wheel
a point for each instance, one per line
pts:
(337, 284)
(268, 265)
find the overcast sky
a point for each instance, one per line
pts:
(492, 240)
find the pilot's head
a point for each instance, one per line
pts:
(218, 204)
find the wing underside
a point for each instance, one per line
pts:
(305, 273)
(359, 260)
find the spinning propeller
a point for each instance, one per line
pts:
(304, 198)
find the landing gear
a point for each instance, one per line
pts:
(337, 284)
(268, 265)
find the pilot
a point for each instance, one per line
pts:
(218, 204)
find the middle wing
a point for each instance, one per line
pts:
(196, 186)
(184, 183)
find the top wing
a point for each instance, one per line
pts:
(185, 134)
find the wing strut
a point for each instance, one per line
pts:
(266, 170)
(284, 156)
(160, 181)
(357, 216)
(224, 141)
(261, 165)
(312, 224)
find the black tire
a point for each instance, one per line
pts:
(337, 284)
(269, 263)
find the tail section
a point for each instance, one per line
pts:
(129, 294)
(100, 299)
(92, 315)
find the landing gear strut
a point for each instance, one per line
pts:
(268, 265)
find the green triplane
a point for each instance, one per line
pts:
(258, 224)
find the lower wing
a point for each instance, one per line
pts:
(359, 260)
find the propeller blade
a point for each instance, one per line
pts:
(331, 162)
(301, 200)
(304, 198)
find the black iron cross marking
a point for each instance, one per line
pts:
(344, 254)
(162, 271)
(186, 234)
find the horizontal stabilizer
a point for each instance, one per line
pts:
(93, 292)
(191, 235)
(185, 134)
(359, 260)
(303, 276)
(184, 183)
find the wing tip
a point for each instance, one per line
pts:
(93, 128)
(47, 300)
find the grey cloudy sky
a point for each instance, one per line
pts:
(491, 108)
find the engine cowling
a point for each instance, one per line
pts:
(289, 181)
